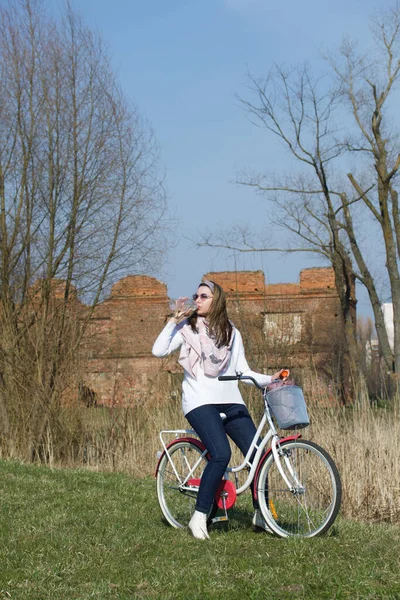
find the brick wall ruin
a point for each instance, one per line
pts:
(288, 324)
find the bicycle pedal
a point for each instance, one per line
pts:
(219, 519)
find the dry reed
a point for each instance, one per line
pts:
(363, 441)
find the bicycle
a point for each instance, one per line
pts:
(296, 482)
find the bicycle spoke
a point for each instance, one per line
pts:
(177, 500)
(312, 504)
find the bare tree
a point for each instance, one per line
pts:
(326, 211)
(81, 203)
(369, 85)
(289, 105)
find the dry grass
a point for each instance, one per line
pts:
(363, 441)
(365, 446)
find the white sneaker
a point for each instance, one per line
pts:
(198, 525)
(259, 521)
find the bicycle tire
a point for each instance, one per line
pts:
(178, 505)
(312, 509)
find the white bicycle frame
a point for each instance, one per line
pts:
(294, 485)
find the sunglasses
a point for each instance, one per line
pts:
(201, 296)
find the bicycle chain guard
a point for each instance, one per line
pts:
(225, 495)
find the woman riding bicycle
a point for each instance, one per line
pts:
(211, 346)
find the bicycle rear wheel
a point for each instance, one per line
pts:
(176, 495)
(313, 504)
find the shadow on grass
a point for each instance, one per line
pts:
(240, 519)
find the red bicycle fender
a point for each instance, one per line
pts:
(264, 458)
(194, 441)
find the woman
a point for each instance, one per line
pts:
(211, 346)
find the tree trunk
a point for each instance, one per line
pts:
(345, 286)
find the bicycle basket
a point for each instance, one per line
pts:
(288, 406)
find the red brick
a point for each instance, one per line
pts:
(123, 328)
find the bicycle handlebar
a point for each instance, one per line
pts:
(239, 377)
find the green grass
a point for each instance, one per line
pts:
(75, 534)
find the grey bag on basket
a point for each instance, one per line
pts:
(287, 405)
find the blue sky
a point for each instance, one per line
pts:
(182, 62)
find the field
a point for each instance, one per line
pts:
(364, 442)
(75, 534)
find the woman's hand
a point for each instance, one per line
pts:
(182, 311)
(282, 374)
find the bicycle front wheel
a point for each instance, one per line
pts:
(311, 506)
(176, 494)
